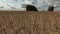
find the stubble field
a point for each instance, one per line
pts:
(29, 22)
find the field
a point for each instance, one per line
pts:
(29, 22)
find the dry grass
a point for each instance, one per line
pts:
(29, 22)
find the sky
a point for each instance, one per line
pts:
(42, 6)
(19, 1)
(35, 1)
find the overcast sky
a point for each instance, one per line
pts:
(44, 6)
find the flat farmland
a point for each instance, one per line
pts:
(29, 22)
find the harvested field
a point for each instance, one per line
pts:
(29, 22)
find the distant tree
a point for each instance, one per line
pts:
(31, 8)
(51, 8)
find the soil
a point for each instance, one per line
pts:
(29, 22)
